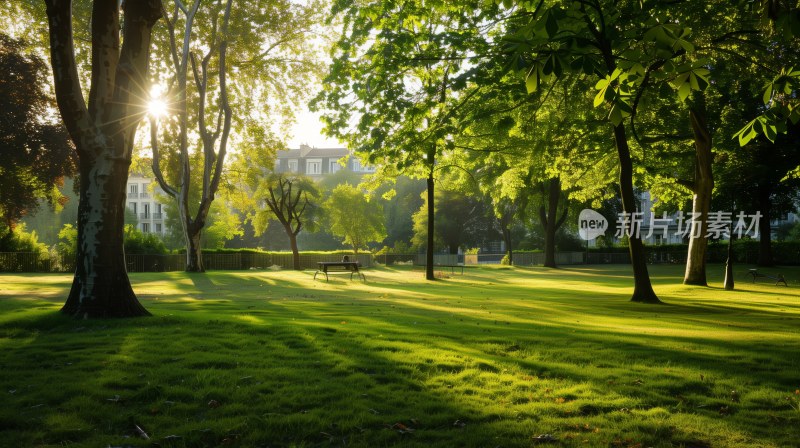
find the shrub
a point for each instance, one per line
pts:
(67, 244)
(19, 240)
(138, 242)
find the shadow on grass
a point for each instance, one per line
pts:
(276, 360)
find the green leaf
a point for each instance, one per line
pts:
(794, 115)
(600, 97)
(532, 81)
(746, 134)
(767, 94)
(684, 90)
(551, 25)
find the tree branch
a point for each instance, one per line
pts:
(156, 165)
(69, 96)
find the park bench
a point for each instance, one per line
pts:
(339, 266)
(778, 279)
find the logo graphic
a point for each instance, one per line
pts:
(591, 224)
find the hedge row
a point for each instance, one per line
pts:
(744, 251)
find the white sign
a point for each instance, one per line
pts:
(591, 224)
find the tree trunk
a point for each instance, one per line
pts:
(429, 252)
(103, 130)
(507, 241)
(765, 229)
(100, 287)
(549, 219)
(642, 288)
(194, 248)
(701, 202)
(729, 284)
(295, 251)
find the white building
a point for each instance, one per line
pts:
(149, 212)
(317, 162)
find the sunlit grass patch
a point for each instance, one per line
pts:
(494, 357)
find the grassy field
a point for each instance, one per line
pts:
(495, 358)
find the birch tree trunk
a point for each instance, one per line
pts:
(214, 139)
(194, 249)
(103, 131)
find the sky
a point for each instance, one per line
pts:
(308, 130)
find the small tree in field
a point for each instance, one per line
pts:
(291, 200)
(353, 218)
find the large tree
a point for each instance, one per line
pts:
(623, 46)
(103, 130)
(236, 70)
(213, 137)
(396, 69)
(36, 152)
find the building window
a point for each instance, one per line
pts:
(145, 227)
(293, 165)
(132, 206)
(356, 165)
(277, 165)
(334, 166)
(146, 211)
(314, 166)
(158, 228)
(133, 191)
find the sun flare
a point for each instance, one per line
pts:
(157, 107)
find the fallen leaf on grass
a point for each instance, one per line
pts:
(140, 432)
(213, 404)
(545, 438)
(459, 424)
(402, 429)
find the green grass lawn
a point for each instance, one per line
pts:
(493, 358)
